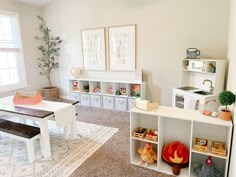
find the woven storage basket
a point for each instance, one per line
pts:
(139, 132)
(210, 105)
(198, 145)
(50, 92)
(151, 137)
(218, 148)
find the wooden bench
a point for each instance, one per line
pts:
(21, 132)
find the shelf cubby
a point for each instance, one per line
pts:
(105, 93)
(135, 155)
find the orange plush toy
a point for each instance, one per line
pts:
(147, 154)
(176, 155)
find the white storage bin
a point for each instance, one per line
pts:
(84, 99)
(131, 103)
(74, 96)
(95, 100)
(108, 102)
(121, 104)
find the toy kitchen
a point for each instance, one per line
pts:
(201, 82)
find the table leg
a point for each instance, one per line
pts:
(44, 138)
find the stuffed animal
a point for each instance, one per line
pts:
(207, 169)
(176, 154)
(147, 154)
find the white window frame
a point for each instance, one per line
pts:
(21, 63)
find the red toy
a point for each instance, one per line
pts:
(177, 155)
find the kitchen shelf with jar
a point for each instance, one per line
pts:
(184, 126)
(107, 93)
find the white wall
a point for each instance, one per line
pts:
(29, 29)
(231, 84)
(165, 29)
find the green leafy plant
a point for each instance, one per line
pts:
(226, 98)
(49, 47)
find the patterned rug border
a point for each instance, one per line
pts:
(70, 165)
(89, 138)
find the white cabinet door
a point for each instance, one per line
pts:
(95, 100)
(121, 104)
(74, 96)
(131, 103)
(108, 102)
(84, 99)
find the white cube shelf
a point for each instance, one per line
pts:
(105, 93)
(184, 126)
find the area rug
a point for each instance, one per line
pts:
(67, 156)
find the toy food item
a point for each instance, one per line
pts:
(208, 113)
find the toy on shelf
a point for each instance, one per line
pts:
(145, 105)
(147, 154)
(110, 90)
(139, 132)
(207, 169)
(135, 90)
(218, 148)
(200, 144)
(176, 155)
(76, 86)
(86, 88)
(96, 90)
(118, 92)
(152, 135)
(123, 91)
(27, 98)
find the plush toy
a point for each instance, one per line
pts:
(176, 155)
(207, 169)
(147, 154)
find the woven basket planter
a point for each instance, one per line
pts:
(50, 92)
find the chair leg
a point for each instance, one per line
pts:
(30, 148)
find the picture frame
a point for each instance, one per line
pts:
(122, 47)
(93, 49)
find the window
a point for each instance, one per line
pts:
(12, 71)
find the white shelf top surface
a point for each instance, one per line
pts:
(183, 114)
(108, 80)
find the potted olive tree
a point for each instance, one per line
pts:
(226, 98)
(49, 48)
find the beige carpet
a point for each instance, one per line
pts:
(113, 158)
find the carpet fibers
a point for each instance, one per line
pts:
(113, 158)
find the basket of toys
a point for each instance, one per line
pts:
(152, 135)
(218, 148)
(201, 144)
(139, 132)
(209, 108)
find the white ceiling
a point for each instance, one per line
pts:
(35, 2)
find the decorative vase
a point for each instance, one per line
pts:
(50, 92)
(75, 71)
(225, 115)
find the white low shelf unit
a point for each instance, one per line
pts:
(105, 96)
(174, 124)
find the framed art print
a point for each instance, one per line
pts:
(122, 47)
(93, 46)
